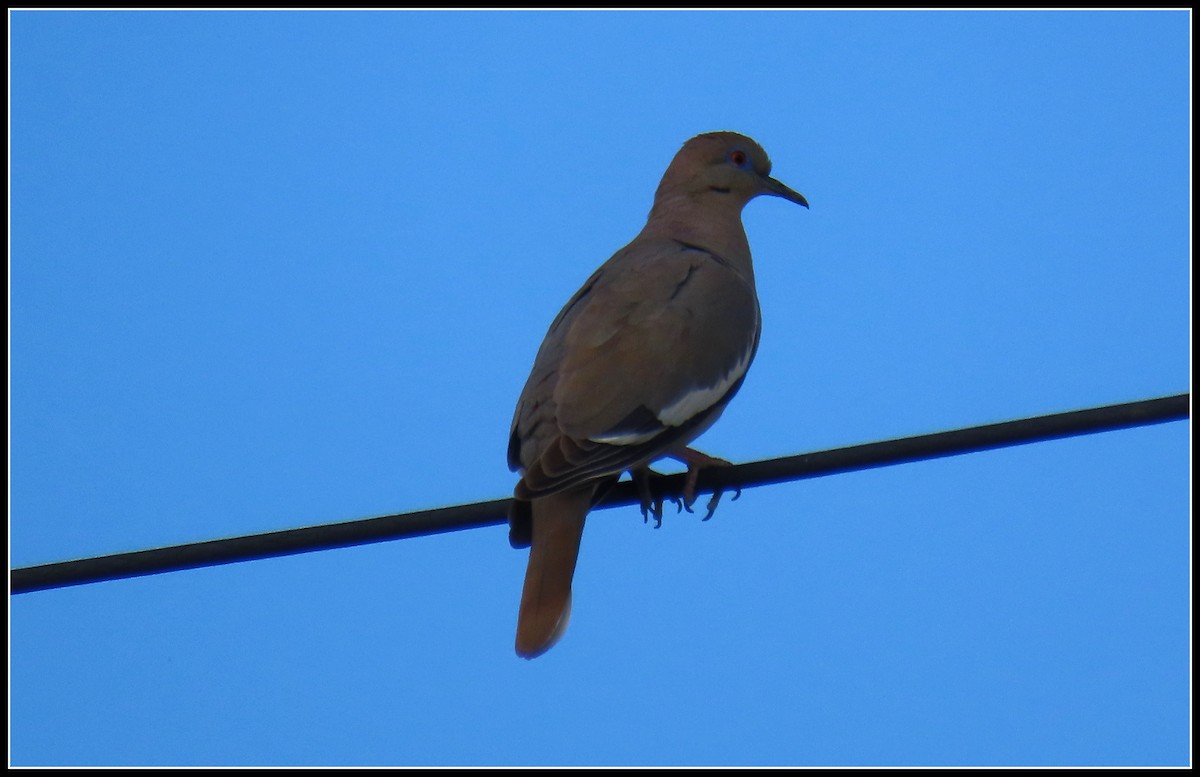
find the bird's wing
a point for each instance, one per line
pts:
(640, 360)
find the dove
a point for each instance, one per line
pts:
(638, 363)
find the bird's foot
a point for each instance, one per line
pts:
(711, 507)
(651, 503)
(696, 461)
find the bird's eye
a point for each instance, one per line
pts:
(738, 157)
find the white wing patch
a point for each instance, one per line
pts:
(685, 408)
(698, 400)
(626, 439)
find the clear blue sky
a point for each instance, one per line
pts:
(276, 269)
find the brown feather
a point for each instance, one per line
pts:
(546, 599)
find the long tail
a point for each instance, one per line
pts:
(546, 599)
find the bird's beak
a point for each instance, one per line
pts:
(777, 189)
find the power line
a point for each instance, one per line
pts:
(494, 512)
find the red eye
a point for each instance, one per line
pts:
(738, 157)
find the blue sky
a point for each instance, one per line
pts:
(276, 269)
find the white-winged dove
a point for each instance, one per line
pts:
(638, 363)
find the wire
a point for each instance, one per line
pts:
(494, 512)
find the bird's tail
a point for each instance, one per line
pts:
(546, 599)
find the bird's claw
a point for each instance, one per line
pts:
(716, 499)
(652, 504)
(696, 461)
(653, 507)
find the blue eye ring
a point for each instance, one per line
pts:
(739, 158)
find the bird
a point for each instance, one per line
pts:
(637, 364)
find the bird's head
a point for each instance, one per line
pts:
(723, 166)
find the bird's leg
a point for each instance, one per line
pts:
(641, 479)
(651, 504)
(696, 461)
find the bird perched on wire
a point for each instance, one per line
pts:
(637, 364)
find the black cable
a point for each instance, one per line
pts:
(445, 519)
